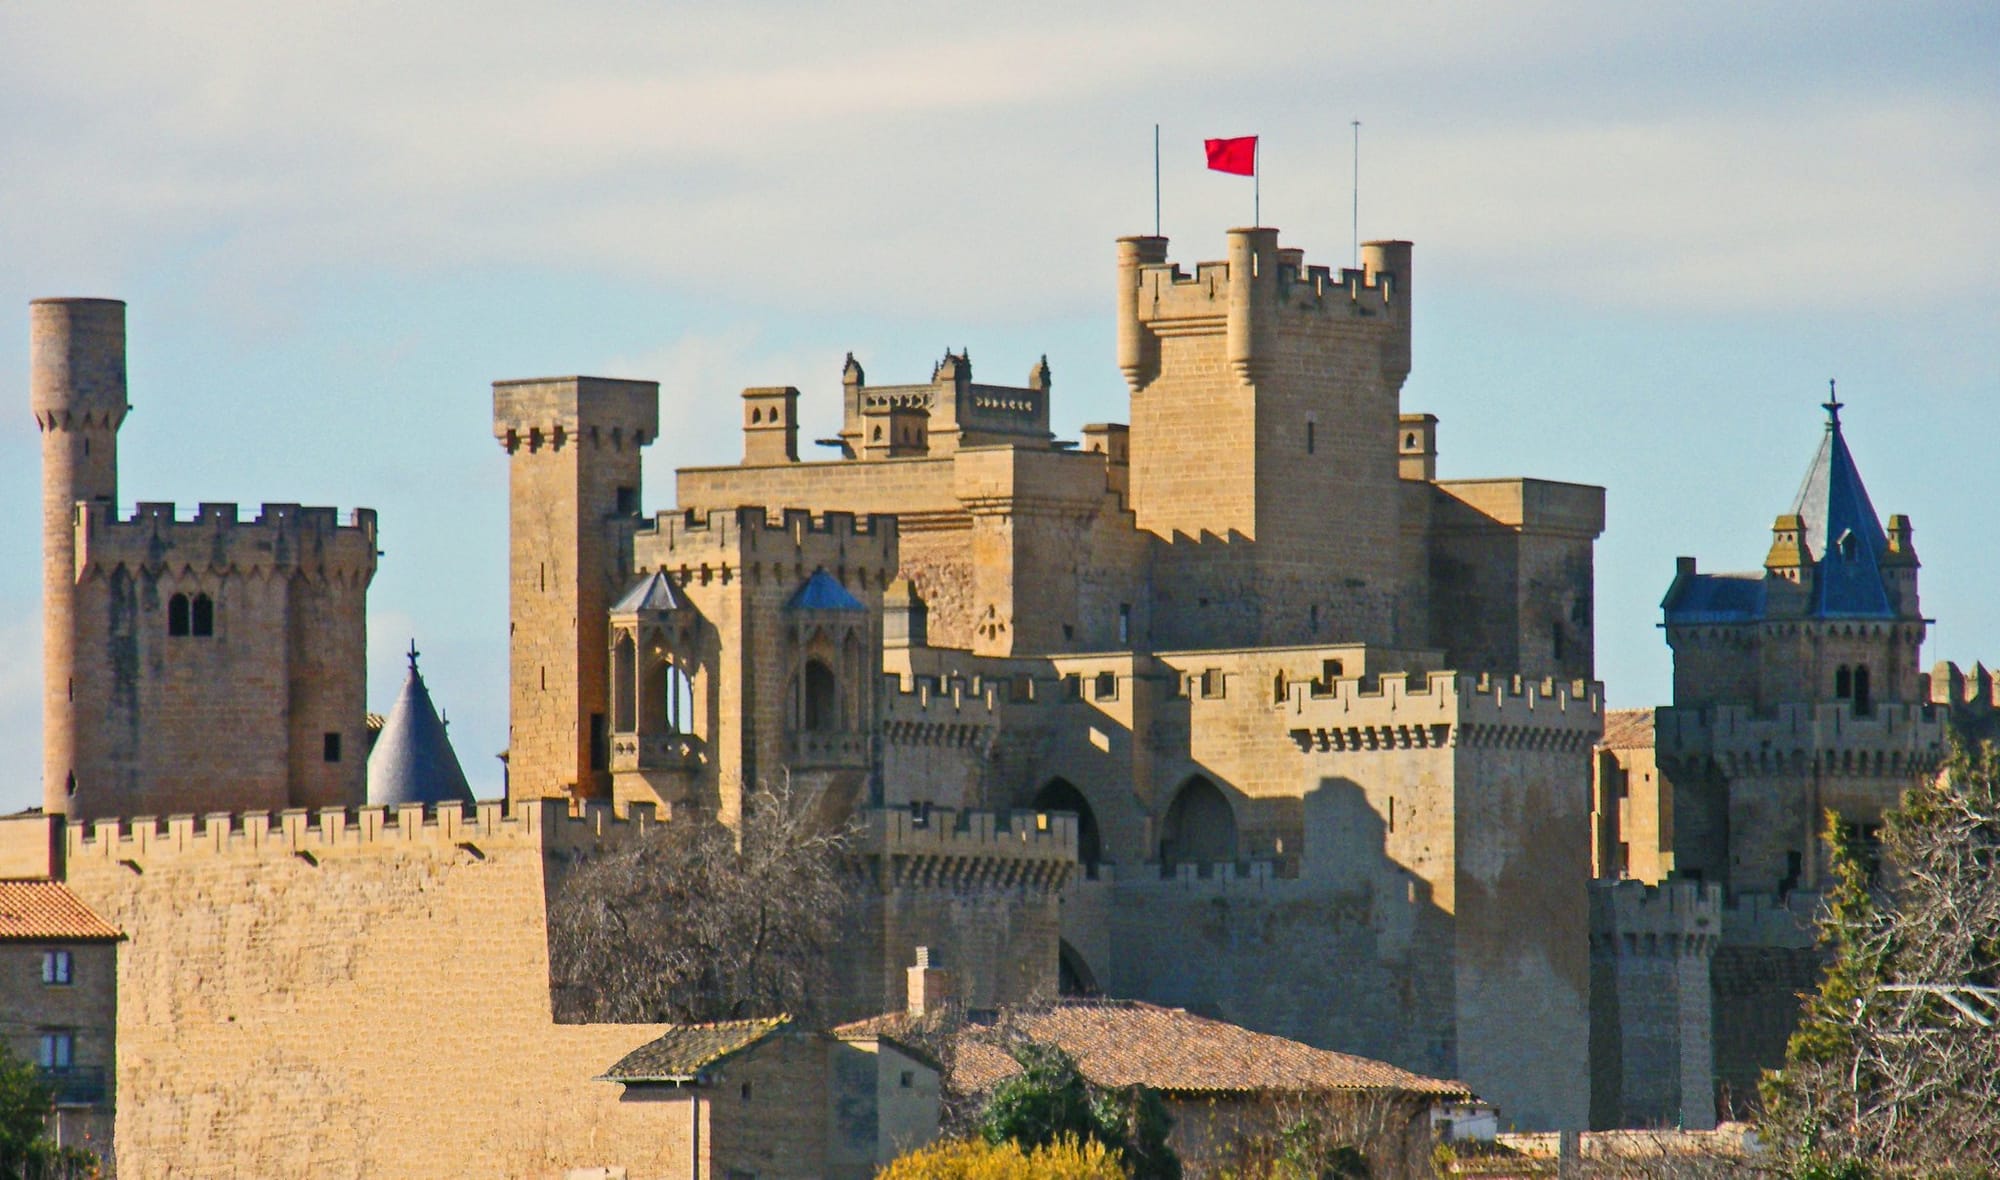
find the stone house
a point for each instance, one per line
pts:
(59, 972)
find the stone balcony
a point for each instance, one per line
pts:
(663, 751)
(814, 749)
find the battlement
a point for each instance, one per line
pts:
(274, 835)
(1175, 294)
(1631, 918)
(733, 537)
(1891, 739)
(1976, 691)
(1395, 711)
(1759, 919)
(941, 847)
(537, 412)
(216, 537)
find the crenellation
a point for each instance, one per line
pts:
(282, 537)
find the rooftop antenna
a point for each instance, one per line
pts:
(1357, 194)
(1156, 180)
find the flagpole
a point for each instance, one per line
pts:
(1257, 182)
(1156, 180)
(1357, 194)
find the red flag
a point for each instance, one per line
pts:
(1236, 156)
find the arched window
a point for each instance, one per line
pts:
(1200, 826)
(624, 683)
(1843, 683)
(1864, 705)
(204, 615)
(1073, 975)
(1062, 795)
(678, 699)
(821, 710)
(177, 615)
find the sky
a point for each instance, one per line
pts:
(1646, 237)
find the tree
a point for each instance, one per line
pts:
(1891, 1069)
(1050, 1101)
(696, 922)
(26, 1151)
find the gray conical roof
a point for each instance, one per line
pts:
(413, 760)
(1842, 532)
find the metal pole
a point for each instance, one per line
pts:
(1357, 194)
(1257, 181)
(1156, 180)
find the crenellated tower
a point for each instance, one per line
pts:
(1264, 401)
(76, 387)
(573, 494)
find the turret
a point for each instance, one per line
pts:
(770, 426)
(1138, 348)
(1253, 300)
(1387, 265)
(76, 387)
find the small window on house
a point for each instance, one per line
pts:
(204, 616)
(57, 1050)
(746, 1091)
(908, 1080)
(1106, 688)
(329, 750)
(177, 615)
(56, 967)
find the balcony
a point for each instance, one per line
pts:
(77, 1085)
(821, 749)
(655, 751)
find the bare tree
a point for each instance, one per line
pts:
(1896, 1066)
(697, 922)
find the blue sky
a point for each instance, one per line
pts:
(1646, 235)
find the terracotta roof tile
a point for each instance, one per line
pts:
(1627, 729)
(683, 1051)
(1126, 1042)
(41, 910)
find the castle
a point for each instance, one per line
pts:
(1796, 691)
(1235, 707)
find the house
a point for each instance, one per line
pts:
(59, 974)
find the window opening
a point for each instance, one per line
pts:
(822, 703)
(177, 615)
(600, 744)
(56, 967)
(330, 748)
(204, 616)
(1843, 682)
(1863, 704)
(56, 1051)
(1310, 435)
(1124, 622)
(628, 501)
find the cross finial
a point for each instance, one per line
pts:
(1832, 403)
(413, 654)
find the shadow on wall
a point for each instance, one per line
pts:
(1351, 955)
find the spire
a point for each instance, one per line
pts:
(412, 761)
(1840, 530)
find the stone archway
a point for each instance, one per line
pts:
(1061, 795)
(1200, 827)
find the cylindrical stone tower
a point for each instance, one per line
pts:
(76, 387)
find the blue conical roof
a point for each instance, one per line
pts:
(1842, 532)
(823, 592)
(413, 761)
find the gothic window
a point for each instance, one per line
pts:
(624, 673)
(177, 616)
(600, 743)
(677, 698)
(204, 616)
(822, 698)
(1843, 683)
(1863, 705)
(1062, 795)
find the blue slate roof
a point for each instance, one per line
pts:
(413, 761)
(823, 592)
(1842, 532)
(1715, 598)
(654, 592)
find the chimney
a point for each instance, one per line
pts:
(930, 985)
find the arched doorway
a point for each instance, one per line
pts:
(1200, 827)
(1073, 975)
(1062, 795)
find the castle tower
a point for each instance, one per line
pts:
(573, 500)
(1264, 409)
(76, 387)
(1651, 1046)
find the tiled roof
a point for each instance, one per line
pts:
(682, 1052)
(41, 910)
(1127, 1042)
(1627, 729)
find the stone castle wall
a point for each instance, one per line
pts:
(355, 993)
